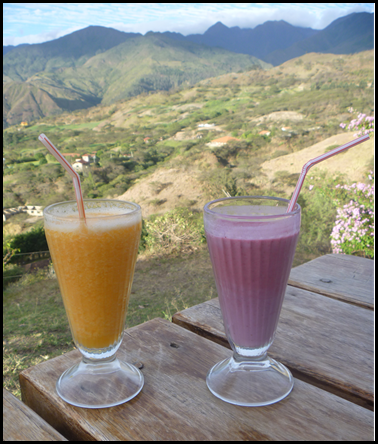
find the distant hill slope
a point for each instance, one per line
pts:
(75, 80)
(346, 35)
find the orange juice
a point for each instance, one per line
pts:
(94, 263)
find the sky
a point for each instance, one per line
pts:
(41, 22)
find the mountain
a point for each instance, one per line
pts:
(71, 50)
(346, 35)
(101, 65)
(259, 41)
(75, 79)
(278, 41)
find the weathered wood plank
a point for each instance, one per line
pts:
(175, 403)
(20, 423)
(339, 276)
(323, 341)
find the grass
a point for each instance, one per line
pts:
(35, 327)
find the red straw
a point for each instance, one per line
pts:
(75, 177)
(318, 159)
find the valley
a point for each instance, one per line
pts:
(170, 131)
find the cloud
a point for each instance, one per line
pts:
(39, 38)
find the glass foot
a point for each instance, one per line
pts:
(100, 384)
(250, 382)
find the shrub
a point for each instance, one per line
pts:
(353, 231)
(318, 200)
(179, 230)
(363, 124)
(31, 241)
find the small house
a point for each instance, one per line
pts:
(90, 158)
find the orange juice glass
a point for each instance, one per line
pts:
(94, 262)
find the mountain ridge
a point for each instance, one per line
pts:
(346, 35)
(140, 64)
(102, 65)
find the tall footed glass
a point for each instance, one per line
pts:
(94, 261)
(251, 242)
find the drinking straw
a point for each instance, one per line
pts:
(318, 159)
(75, 177)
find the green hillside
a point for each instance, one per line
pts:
(139, 65)
(71, 50)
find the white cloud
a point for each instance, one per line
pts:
(39, 38)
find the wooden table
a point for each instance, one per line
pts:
(20, 423)
(175, 403)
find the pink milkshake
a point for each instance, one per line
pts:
(251, 277)
(252, 242)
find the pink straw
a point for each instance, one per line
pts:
(75, 177)
(318, 159)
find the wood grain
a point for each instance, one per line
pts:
(175, 403)
(323, 341)
(343, 277)
(20, 423)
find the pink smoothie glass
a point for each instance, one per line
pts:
(252, 242)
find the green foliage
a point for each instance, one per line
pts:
(8, 252)
(222, 182)
(30, 241)
(50, 158)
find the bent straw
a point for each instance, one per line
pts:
(318, 159)
(75, 177)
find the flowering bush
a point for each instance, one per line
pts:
(353, 232)
(363, 124)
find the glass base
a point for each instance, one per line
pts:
(100, 384)
(250, 382)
